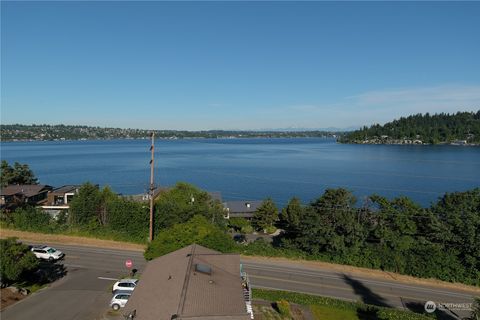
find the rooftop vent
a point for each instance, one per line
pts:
(203, 268)
(247, 204)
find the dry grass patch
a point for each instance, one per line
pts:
(70, 240)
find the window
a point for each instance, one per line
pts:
(203, 268)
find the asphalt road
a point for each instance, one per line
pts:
(85, 291)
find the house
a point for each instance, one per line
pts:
(159, 190)
(145, 197)
(194, 283)
(15, 195)
(241, 209)
(58, 199)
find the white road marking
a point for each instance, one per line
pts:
(104, 278)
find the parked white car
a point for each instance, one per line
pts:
(47, 253)
(119, 299)
(125, 285)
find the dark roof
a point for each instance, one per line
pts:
(242, 206)
(29, 190)
(66, 189)
(215, 195)
(171, 286)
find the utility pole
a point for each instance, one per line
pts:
(152, 186)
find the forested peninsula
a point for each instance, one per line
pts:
(461, 128)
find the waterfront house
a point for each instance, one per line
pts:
(58, 200)
(194, 283)
(15, 195)
(241, 209)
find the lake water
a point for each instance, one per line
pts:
(254, 169)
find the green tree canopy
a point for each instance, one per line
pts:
(15, 258)
(197, 230)
(291, 216)
(265, 216)
(437, 128)
(86, 205)
(181, 203)
(460, 214)
(332, 225)
(18, 174)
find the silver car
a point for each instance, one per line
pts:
(119, 299)
(47, 253)
(126, 285)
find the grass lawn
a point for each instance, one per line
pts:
(331, 313)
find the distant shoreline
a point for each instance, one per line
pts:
(172, 138)
(253, 137)
(413, 144)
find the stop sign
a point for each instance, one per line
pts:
(128, 263)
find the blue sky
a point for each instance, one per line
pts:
(236, 65)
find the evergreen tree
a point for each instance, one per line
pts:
(18, 174)
(291, 216)
(86, 205)
(265, 216)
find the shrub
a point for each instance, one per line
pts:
(283, 307)
(33, 219)
(270, 229)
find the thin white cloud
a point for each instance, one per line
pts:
(385, 105)
(444, 95)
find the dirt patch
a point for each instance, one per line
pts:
(363, 272)
(8, 298)
(70, 240)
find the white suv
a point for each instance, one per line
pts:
(125, 285)
(119, 299)
(47, 253)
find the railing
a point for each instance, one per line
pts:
(247, 293)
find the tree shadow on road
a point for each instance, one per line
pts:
(46, 273)
(367, 295)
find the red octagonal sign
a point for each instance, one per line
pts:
(128, 263)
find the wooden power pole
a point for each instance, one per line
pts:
(152, 186)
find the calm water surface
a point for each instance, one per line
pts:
(256, 168)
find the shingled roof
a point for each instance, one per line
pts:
(191, 283)
(28, 190)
